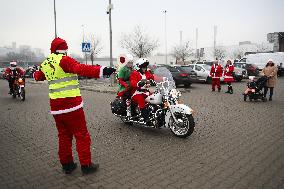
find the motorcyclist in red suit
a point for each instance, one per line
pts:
(11, 73)
(140, 79)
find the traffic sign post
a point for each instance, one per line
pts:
(86, 47)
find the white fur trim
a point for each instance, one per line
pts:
(61, 51)
(101, 71)
(67, 110)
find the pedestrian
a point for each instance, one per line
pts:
(11, 73)
(270, 71)
(216, 73)
(61, 71)
(228, 76)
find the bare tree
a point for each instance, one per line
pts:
(138, 43)
(263, 48)
(238, 53)
(182, 51)
(219, 53)
(96, 47)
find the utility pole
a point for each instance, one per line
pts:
(215, 34)
(196, 44)
(109, 8)
(180, 38)
(166, 53)
(54, 18)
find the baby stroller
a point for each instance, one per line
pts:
(254, 88)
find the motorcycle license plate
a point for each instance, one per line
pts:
(22, 85)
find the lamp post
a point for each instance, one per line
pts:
(54, 18)
(109, 8)
(166, 54)
(84, 41)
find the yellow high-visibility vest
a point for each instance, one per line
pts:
(61, 84)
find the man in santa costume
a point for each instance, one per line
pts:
(61, 72)
(215, 73)
(228, 76)
(11, 73)
(140, 80)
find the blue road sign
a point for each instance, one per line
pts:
(86, 47)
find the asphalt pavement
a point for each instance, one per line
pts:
(236, 144)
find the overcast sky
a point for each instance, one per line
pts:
(31, 22)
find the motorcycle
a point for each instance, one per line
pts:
(19, 88)
(164, 106)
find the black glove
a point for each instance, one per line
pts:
(108, 71)
(152, 82)
(142, 83)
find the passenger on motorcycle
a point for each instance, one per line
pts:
(124, 87)
(11, 73)
(140, 80)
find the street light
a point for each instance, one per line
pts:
(84, 41)
(166, 55)
(54, 18)
(109, 8)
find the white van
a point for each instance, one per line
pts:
(261, 59)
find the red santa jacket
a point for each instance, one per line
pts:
(216, 71)
(9, 72)
(228, 73)
(136, 76)
(69, 65)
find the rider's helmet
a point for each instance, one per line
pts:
(13, 64)
(59, 45)
(141, 63)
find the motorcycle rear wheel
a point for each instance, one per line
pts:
(183, 129)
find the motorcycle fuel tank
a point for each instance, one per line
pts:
(155, 98)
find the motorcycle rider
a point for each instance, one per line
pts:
(215, 73)
(61, 72)
(11, 73)
(140, 79)
(123, 76)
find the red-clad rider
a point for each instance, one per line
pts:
(11, 73)
(140, 79)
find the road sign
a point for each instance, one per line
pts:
(86, 47)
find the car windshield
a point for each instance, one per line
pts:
(186, 69)
(207, 67)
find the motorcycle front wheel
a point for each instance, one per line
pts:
(184, 128)
(23, 94)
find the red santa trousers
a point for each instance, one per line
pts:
(216, 81)
(69, 125)
(140, 100)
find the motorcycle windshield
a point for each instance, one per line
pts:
(164, 79)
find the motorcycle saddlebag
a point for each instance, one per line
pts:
(118, 106)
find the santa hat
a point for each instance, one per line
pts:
(58, 45)
(270, 60)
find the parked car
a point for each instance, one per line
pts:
(203, 72)
(252, 69)
(181, 75)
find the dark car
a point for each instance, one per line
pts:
(182, 74)
(252, 69)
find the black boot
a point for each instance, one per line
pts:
(228, 91)
(145, 115)
(87, 169)
(270, 98)
(231, 90)
(68, 168)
